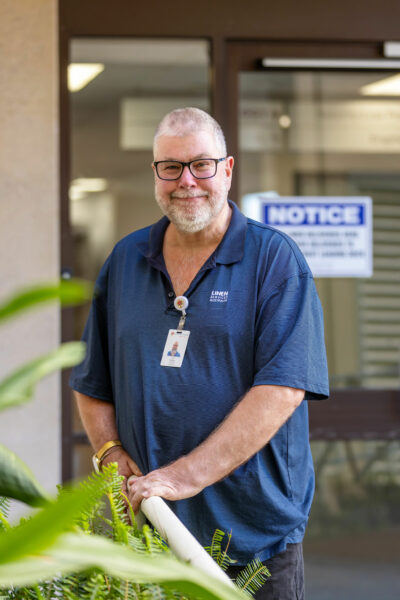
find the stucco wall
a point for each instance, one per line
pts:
(29, 239)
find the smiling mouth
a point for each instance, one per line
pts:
(188, 196)
(189, 202)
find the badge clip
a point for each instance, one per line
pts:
(181, 303)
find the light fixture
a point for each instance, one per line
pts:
(338, 64)
(80, 74)
(90, 184)
(83, 185)
(75, 194)
(390, 86)
(285, 121)
(391, 49)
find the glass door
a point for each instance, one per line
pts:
(319, 134)
(335, 133)
(119, 91)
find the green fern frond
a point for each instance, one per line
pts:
(120, 528)
(69, 587)
(160, 542)
(135, 529)
(130, 591)
(148, 539)
(115, 489)
(225, 560)
(252, 577)
(4, 509)
(154, 543)
(155, 592)
(216, 543)
(101, 525)
(54, 588)
(5, 504)
(220, 556)
(95, 587)
(137, 544)
(115, 588)
(93, 520)
(133, 592)
(96, 485)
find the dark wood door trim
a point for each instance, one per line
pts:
(356, 414)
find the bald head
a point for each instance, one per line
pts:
(189, 121)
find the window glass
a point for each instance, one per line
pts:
(319, 134)
(352, 543)
(113, 118)
(332, 134)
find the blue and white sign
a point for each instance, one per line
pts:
(334, 233)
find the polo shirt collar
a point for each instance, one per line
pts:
(152, 248)
(230, 250)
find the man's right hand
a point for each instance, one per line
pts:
(126, 466)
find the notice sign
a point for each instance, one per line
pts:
(334, 233)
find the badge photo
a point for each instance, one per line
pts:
(175, 348)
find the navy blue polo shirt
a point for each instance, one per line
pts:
(255, 318)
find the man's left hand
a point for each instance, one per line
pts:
(169, 483)
(248, 428)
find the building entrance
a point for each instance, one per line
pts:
(295, 131)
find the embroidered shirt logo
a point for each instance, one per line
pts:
(219, 296)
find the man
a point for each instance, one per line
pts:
(174, 350)
(230, 445)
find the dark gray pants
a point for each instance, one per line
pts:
(287, 575)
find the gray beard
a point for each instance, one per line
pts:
(198, 219)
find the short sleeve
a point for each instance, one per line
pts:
(290, 347)
(92, 375)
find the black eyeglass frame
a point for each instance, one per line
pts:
(188, 165)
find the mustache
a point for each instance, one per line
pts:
(188, 194)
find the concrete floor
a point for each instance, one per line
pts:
(330, 579)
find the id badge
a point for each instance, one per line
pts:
(175, 348)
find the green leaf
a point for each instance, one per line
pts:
(18, 387)
(17, 481)
(42, 530)
(74, 552)
(68, 292)
(252, 577)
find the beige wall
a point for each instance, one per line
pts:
(29, 206)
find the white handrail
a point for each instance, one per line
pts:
(182, 543)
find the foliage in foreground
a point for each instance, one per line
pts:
(70, 548)
(251, 578)
(105, 556)
(47, 554)
(16, 479)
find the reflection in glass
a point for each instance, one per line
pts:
(352, 547)
(318, 134)
(113, 119)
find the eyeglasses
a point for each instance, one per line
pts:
(201, 168)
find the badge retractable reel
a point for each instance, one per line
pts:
(181, 303)
(177, 339)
